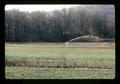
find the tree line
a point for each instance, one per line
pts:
(59, 25)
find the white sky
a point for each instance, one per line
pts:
(31, 8)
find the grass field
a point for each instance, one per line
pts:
(56, 61)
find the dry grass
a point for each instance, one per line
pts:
(48, 56)
(55, 61)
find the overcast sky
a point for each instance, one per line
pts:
(31, 8)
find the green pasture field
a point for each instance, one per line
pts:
(58, 61)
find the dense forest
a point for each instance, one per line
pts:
(60, 25)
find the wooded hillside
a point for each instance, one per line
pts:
(60, 25)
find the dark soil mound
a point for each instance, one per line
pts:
(85, 38)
